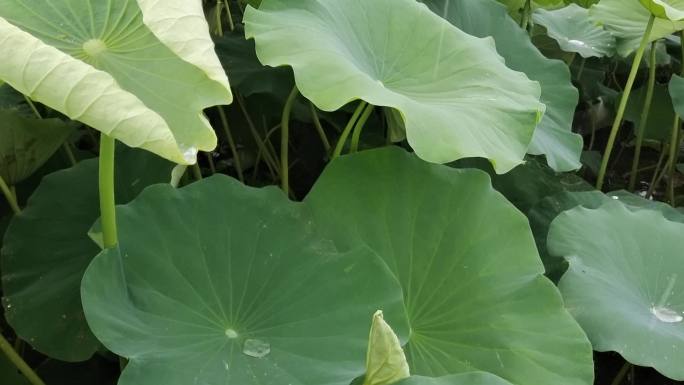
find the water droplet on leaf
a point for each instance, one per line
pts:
(256, 348)
(230, 333)
(189, 154)
(666, 315)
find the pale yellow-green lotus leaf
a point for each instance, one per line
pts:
(627, 21)
(100, 63)
(385, 359)
(79, 91)
(453, 91)
(665, 9)
(182, 26)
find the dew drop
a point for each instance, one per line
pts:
(615, 197)
(256, 348)
(232, 334)
(189, 154)
(577, 43)
(666, 315)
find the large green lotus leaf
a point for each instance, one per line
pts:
(627, 21)
(665, 9)
(218, 283)
(46, 250)
(553, 136)
(456, 96)
(661, 116)
(475, 295)
(473, 378)
(27, 143)
(144, 83)
(624, 284)
(575, 32)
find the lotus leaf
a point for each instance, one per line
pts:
(553, 137)
(456, 95)
(46, 250)
(624, 282)
(475, 295)
(221, 283)
(575, 32)
(122, 67)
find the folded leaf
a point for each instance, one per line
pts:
(385, 360)
(456, 95)
(99, 63)
(665, 9)
(627, 21)
(574, 31)
(553, 136)
(474, 291)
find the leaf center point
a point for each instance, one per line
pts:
(232, 334)
(94, 47)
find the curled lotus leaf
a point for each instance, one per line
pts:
(454, 92)
(122, 67)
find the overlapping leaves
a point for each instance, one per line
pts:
(193, 292)
(627, 21)
(46, 250)
(220, 283)
(575, 32)
(134, 70)
(553, 136)
(453, 106)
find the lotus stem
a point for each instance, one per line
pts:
(231, 143)
(231, 24)
(580, 71)
(268, 157)
(19, 362)
(106, 184)
(347, 129)
(621, 374)
(358, 127)
(623, 102)
(319, 128)
(645, 111)
(672, 162)
(11, 199)
(285, 140)
(526, 13)
(210, 162)
(219, 24)
(197, 171)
